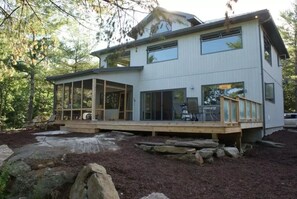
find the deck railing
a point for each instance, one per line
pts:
(238, 110)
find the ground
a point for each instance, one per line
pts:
(263, 172)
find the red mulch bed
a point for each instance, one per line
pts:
(263, 172)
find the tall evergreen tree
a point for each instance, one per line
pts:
(289, 34)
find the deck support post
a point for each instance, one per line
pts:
(238, 140)
(154, 133)
(93, 99)
(214, 136)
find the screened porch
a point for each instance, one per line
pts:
(93, 99)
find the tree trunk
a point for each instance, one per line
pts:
(31, 97)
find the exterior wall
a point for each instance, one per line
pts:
(274, 111)
(177, 23)
(192, 70)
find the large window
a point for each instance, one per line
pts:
(269, 92)
(267, 49)
(221, 41)
(212, 93)
(162, 52)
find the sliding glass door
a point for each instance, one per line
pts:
(162, 105)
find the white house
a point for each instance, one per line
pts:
(177, 58)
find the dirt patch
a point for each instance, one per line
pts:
(262, 173)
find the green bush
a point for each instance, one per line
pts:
(4, 178)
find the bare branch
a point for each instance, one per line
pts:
(33, 10)
(7, 16)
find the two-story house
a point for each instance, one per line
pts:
(176, 58)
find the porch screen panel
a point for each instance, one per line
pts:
(67, 95)
(87, 93)
(77, 95)
(59, 96)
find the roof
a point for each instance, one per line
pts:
(263, 16)
(189, 17)
(94, 71)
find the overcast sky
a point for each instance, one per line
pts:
(213, 9)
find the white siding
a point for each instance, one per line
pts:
(192, 70)
(274, 111)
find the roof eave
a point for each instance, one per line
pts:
(93, 71)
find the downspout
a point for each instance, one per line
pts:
(262, 80)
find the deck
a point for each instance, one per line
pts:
(235, 116)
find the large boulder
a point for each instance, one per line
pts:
(232, 152)
(5, 152)
(93, 182)
(220, 153)
(207, 152)
(37, 183)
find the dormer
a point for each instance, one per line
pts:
(160, 21)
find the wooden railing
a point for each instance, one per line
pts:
(237, 110)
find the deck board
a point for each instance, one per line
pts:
(155, 126)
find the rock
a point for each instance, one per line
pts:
(209, 160)
(199, 158)
(151, 143)
(100, 185)
(207, 152)
(184, 157)
(172, 149)
(231, 152)
(246, 147)
(5, 152)
(155, 196)
(201, 143)
(93, 182)
(144, 147)
(41, 183)
(18, 168)
(219, 153)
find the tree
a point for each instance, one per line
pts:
(73, 52)
(289, 33)
(115, 17)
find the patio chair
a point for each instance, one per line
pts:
(193, 108)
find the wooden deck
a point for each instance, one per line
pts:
(182, 127)
(236, 115)
(159, 127)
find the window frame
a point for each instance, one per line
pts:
(218, 35)
(161, 47)
(267, 44)
(270, 99)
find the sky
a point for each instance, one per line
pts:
(214, 9)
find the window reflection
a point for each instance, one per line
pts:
(162, 52)
(221, 41)
(212, 93)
